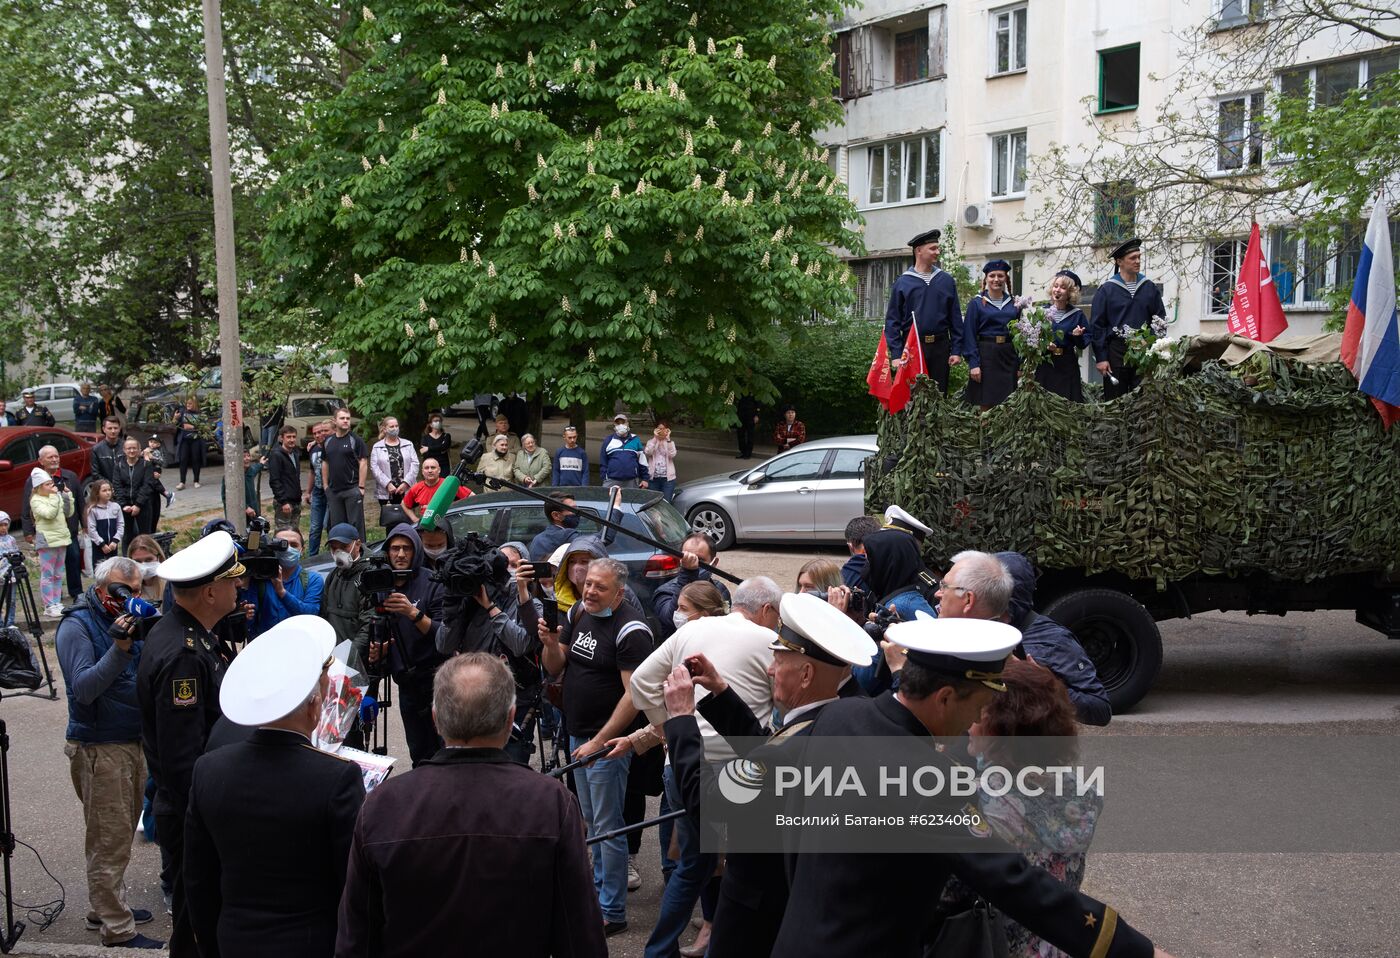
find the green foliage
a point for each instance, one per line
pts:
(1273, 466)
(822, 371)
(106, 215)
(615, 202)
(968, 280)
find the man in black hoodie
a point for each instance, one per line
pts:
(414, 609)
(1054, 646)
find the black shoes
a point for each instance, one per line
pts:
(140, 941)
(611, 928)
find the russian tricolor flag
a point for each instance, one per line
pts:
(1371, 340)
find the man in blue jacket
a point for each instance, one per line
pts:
(99, 650)
(1054, 646)
(622, 461)
(295, 591)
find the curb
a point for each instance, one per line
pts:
(60, 950)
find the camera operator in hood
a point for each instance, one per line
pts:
(502, 618)
(437, 541)
(414, 610)
(893, 565)
(295, 591)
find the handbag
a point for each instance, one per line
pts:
(975, 932)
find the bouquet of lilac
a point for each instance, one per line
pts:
(1032, 334)
(1143, 352)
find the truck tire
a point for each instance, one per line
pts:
(1119, 635)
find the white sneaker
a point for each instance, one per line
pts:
(634, 877)
(53, 611)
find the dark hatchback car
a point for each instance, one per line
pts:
(509, 516)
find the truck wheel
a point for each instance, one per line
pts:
(1119, 635)
(713, 522)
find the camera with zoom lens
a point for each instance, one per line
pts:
(884, 618)
(260, 550)
(472, 563)
(132, 604)
(381, 577)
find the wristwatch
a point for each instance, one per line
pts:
(418, 616)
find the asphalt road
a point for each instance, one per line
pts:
(1223, 674)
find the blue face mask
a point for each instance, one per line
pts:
(603, 613)
(571, 521)
(289, 558)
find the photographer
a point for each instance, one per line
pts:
(343, 604)
(501, 618)
(893, 565)
(293, 591)
(406, 649)
(99, 649)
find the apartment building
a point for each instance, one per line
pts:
(945, 102)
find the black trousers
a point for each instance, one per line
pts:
(486, 423)
(746, 430)
(191, 458)
(170, 830)
(936, 359)
(416, 711)
(1127, 376)
(73, 566)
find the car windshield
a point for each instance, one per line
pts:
(665, 523)
(315, 406)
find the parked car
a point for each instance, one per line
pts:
(506, 516)
(57, 396)
(156, 417)
(19, 454)
(305, 410)
(806, 494)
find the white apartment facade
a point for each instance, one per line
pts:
(944, 103)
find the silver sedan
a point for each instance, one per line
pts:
(806, 494)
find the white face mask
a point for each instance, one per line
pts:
(620, 429)
(148, 569)
(434, 553)
(343, 559)
(679, 618)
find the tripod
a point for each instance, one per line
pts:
(12, 929)
(17, 584)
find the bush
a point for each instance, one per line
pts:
(822, 371)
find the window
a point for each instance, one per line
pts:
(665, 523)
(1115, 207)
(1241, 142)
(1223, 261)
(1299, 267)
(1009, 40)
(874, 279)
(911, 56)
(1329, 83)
(802, 464)
(56, 439)
(1009, 164)
(478, 521)
(63, 393)
(901, 171)
(848, 464)
(313, 406)
(1018, 264)
(19, 451)
(1118, 78)
(1234, 13)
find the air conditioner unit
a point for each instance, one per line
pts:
(977, 216)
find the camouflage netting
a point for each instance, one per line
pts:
(1273, 465)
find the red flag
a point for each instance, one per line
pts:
(880, 381)
(1255, 310)
(913, 363)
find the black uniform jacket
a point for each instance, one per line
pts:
(872, 886)
(178, 688)
(470, 853)
(267, 836)
(754, 890)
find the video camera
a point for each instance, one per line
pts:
(380, 577)
(470, 564)
(13, 566)
(132, 604)
(260, 550)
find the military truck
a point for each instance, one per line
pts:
(1238, 477)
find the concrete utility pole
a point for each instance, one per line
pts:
(230, 350)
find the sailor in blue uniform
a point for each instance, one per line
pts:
(927, 297)
(991, 356)
(1125, 300)
(1061, 374)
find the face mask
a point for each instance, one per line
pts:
(571, 521)
(343, 559)
(620, 429)
(577, 574)
(603, 613)
(679, 618)
(434, 553)
(392, 433)
(148, 569)
(289, 558)
(437, 423)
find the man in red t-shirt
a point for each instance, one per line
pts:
(421, 492)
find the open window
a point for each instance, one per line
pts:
(1118, 78)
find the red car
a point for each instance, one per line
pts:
(19, 454)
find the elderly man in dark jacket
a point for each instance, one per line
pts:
(1054, 646)
(99, 650)
(470, 850)
(65, 479)
(415, 611)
